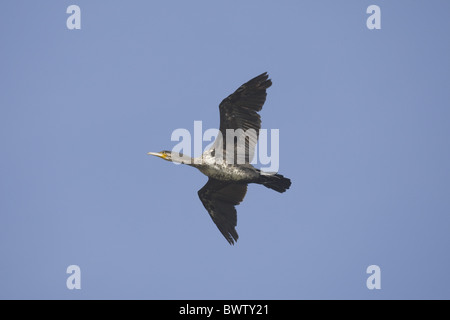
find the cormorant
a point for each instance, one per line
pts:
(229, 177)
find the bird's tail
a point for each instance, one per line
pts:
(275, 181)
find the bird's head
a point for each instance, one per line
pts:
(166, 155)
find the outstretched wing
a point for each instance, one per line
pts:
(240, 111)
(220, 199)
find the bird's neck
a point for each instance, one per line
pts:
(183, 159)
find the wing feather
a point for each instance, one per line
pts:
(240, 111)
(220, 198)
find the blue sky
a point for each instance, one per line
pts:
(364, 135)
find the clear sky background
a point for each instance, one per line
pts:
(364, 120)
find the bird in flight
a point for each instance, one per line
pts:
(227, 165)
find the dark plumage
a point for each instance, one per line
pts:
(220, 199)
(227, 184)
(240, 110)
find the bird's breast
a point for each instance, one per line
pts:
(229, 172)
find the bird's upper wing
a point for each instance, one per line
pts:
(240, 111)
(220, 199)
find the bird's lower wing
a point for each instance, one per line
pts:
(220, 199)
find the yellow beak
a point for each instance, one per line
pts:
(158, 154)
